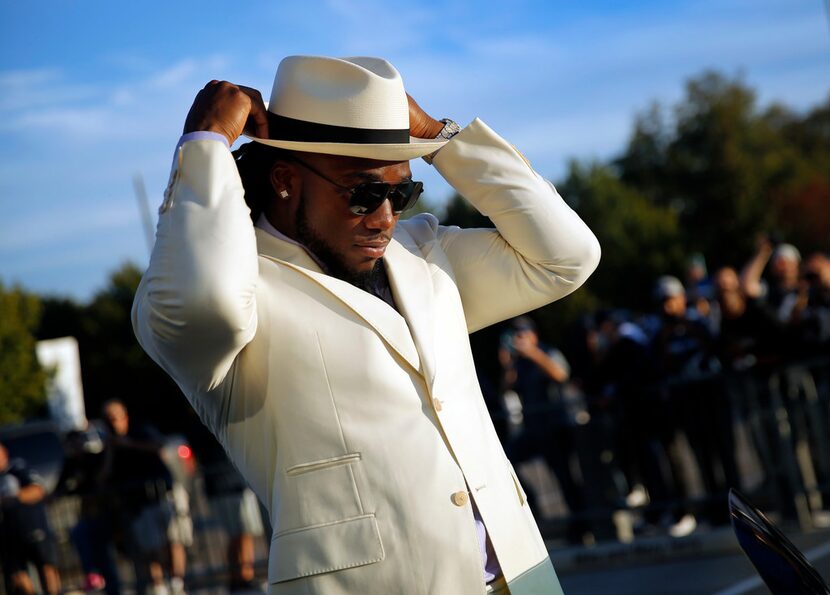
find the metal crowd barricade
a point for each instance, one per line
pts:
(781, 417)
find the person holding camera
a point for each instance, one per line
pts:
(537, 374)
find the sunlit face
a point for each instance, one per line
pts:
(816, 270)
(350, 245)
(116, 416)
(726, 281)
(695, 273)
(675, 306)
(728, 289)
(784, 269)
(527, 335)
(4, 457)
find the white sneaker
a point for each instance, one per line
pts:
(177, 586)
(684, 526)
(158, 590)
(637, 497)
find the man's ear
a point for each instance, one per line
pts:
(284, 180)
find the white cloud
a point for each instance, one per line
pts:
(47, 102)
(72, 121)
(186, 71)
(31, 89)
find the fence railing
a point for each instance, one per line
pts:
(765, 431)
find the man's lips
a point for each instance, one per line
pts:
(373, 248)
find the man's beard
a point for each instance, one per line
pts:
(335, 263)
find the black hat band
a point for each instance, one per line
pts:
(290, 129)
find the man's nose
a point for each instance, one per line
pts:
(382, 218)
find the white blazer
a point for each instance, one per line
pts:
(361, 428)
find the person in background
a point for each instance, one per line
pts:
(234, 504)
(811, 313)
(684, 351)
(781, 292)
(25, 535)
(148, 510)
(536, 372)
(84, 475)
(699, 289)
(626, 372)
(749, 330)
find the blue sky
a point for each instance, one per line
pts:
(93, 93)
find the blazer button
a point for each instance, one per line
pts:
(460, 498)
(437, 404)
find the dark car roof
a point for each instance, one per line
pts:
(40, 446)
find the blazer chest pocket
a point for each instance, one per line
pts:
(337, 545)
(302, 468)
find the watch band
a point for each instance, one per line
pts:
(449, 130)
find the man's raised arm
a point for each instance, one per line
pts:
(540, 251)
(195, 308)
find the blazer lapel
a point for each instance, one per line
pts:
(388, 323)
(411, 282)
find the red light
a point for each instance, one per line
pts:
(184, 452)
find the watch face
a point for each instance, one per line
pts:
(449, 130)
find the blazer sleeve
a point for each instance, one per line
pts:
(195, 307)
(540, 250)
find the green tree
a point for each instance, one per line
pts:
(22, 380)
(424, 205)
(801, 200)
(461, 213)
(639, 239)
(731, 170)
(113, 364)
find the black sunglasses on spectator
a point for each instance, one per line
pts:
(367, 197)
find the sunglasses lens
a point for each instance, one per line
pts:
(368, 197)
(405, 195)
(365, 200)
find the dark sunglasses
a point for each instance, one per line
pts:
(367, 197)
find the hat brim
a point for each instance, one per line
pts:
(416, 147)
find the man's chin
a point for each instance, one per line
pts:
(363, 266)
(364, 274)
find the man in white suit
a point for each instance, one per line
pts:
(326, 346)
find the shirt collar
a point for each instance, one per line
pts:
(265, 225)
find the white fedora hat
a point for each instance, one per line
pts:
(342, 106)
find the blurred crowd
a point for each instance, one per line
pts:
(134, 486)
(636, 407)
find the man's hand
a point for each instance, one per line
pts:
(228, 109)
(526, 344)
(421, 124)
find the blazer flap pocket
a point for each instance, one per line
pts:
(324, 548)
